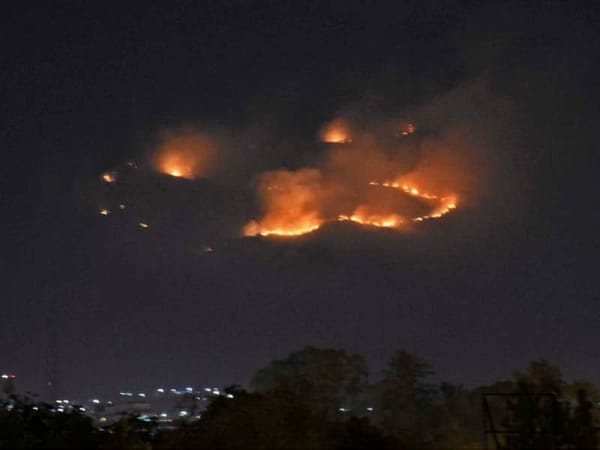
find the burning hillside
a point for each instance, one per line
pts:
(187, 155)
(362, 183)
(336, 132)
(378, 179)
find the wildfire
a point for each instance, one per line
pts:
(362, 216)
(297, 229)
(109, 177)
(336, 132)
(445, 204)
(293, 204)
(407, 129)
(293, 215)
(357, 183)
(176, 165)
(186, 156)
(300, 202)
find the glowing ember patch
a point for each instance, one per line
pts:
(406, 129)
(177, 168)
(109, 177)
(337, 132)
(186, 156)
(337, 137)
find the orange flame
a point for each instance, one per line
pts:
(109, 177)
(186, 156)
(293, 210)
(445, 204)
(296, 203)
(406, 129)
(364, 217)
(336, 132)
(292, 200)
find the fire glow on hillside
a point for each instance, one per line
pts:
(336, 132)
(302, 201)
(391, 182)
(444, 205)
(186, 156)
(292, 214)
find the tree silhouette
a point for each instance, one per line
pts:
(325, 379)
(24, 424)
(583, 430)
(296, 405)
(404, 399)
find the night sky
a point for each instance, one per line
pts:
(88, 87)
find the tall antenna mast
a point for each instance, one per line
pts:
(51, 372)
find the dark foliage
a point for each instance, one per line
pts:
(24, 424)
(295, 406)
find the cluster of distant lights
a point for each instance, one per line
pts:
(64, 405)
(67, 406)
(187, 391)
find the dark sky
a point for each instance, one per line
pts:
(86, 87)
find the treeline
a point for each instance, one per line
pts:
(323, 399)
